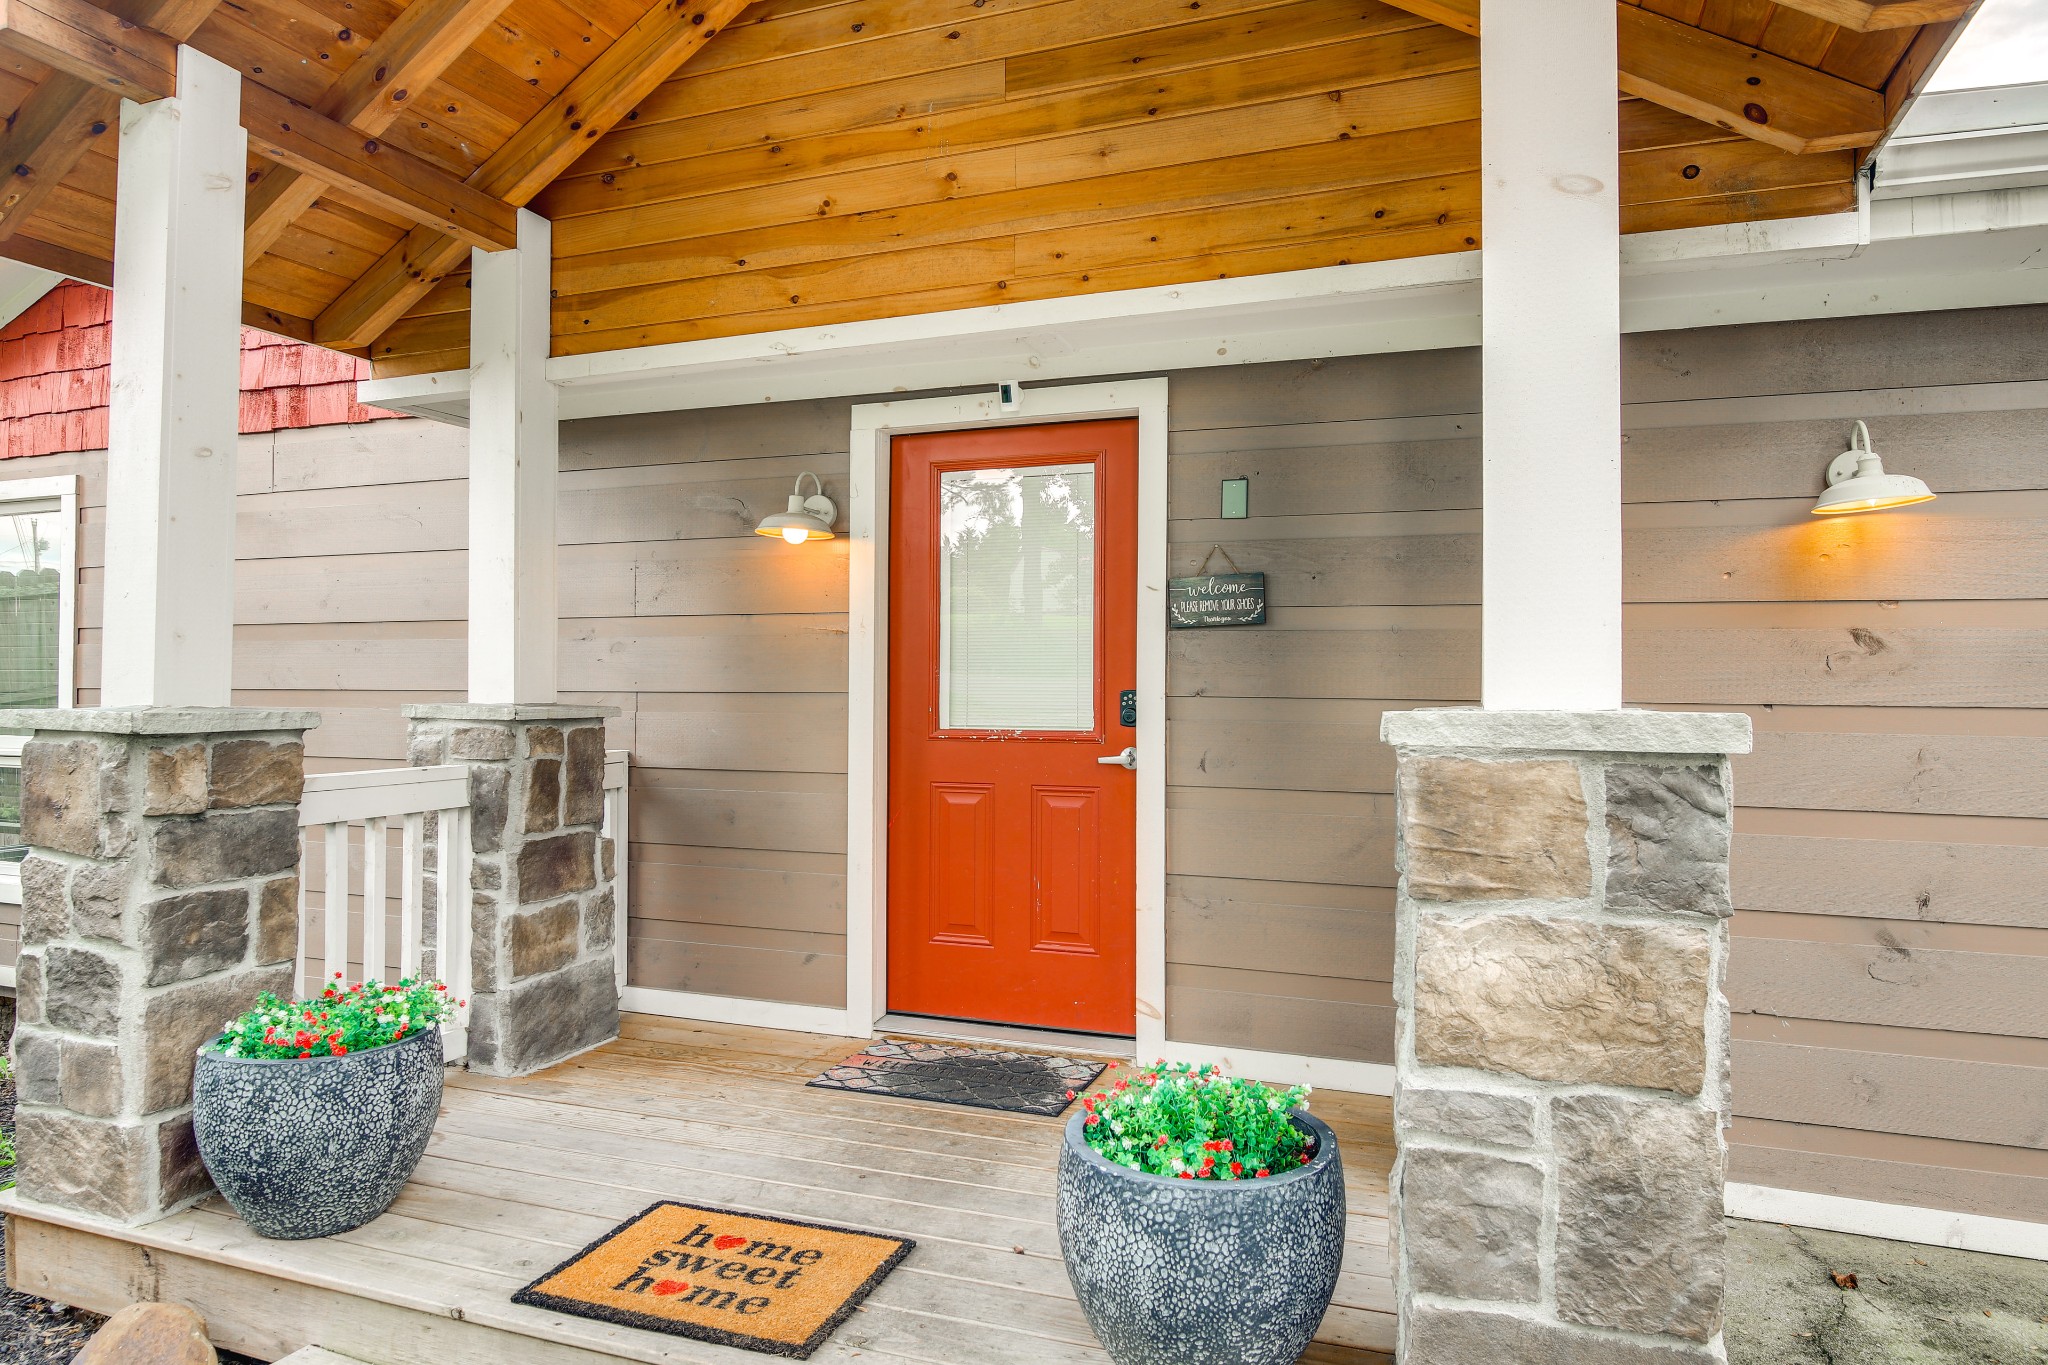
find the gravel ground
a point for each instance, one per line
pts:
(35, 1331)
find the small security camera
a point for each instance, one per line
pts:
(1010, 395)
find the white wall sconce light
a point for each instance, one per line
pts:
(807, 518)
(1857, 482)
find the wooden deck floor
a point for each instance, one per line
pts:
(521, 1173)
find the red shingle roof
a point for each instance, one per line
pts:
(53, 377)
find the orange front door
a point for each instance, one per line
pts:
(1013, 614)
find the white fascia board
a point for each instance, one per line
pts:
(1981, 249)
(1417, 304)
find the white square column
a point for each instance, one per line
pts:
(173, 424)
(1551, 591)
(513, 457)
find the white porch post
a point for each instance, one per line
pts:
(513, 448)
(175, 392)
(538, 866)
(1551, 614)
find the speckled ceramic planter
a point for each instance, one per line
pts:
(1188, 1272)
(308, 1147)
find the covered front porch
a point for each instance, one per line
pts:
(524, 1172)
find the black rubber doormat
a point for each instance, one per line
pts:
(952, 1073)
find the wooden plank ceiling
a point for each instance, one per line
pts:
(716, 168)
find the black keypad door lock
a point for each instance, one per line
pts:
(1127, 707)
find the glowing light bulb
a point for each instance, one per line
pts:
(795, 535)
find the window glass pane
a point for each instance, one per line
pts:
(1017, 598)
(31, 576)
(12, 850)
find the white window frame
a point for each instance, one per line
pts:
(63, 490)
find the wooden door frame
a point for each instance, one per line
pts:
(867, 746)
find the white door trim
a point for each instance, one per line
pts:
(867, 677)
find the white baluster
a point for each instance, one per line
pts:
(305, 917)
(618, 827)
(452, 926)
(335, 953)
(374, 896)
(411, 877)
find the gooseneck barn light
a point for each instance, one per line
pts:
(807, 518)
(1857, 482)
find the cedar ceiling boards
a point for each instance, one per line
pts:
(823, 162)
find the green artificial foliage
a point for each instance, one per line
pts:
(1195, 1123)
(338, 1021)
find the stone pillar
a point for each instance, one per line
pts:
(159, 899)
(543, 984)
(1562, 1048)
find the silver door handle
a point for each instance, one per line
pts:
(1127, 759)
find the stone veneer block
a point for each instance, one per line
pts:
(224, 846)
(1668, 838)
(68, 787)
(175, 780)
(1641, 1245)
(1564, 999)
(1474, 1224)
(1469, 1115)
(255, 772)
(1476, 830)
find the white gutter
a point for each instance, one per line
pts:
(1964, 140)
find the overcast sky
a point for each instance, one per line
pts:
(2006, 43)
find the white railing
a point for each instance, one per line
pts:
(382, 802)
(617, 773)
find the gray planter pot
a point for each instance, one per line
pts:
(1197, 1272)
(308, 1147)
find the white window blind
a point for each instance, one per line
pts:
(1017, 598)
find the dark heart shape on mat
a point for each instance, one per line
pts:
(728, 1242)
(668, 1287)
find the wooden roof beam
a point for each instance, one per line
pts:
(1871, 16)
(139, 63)
(1720, 81)
(604, 92)
(79, 265)
(61, 117)
(421, 43)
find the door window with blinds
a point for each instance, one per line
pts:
(1017, 598)
(37, 517)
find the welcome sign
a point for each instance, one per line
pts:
(763, 1284)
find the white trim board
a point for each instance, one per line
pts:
(1902, 255)
(867, 703)
(1895, 1222)
(740, 1010)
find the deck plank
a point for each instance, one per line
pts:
(520, 1174)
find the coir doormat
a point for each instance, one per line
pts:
(761, 1284)
(949, 1073)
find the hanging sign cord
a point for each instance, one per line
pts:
(1215, 550)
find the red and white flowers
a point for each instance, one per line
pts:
(338, 1021)
(1195, 1123)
